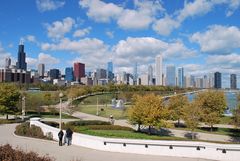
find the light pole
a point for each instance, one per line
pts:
(23, 107)
(60, 110)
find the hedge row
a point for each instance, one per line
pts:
(87, 122)
(109, 127)
(7, 153)
(24, 129)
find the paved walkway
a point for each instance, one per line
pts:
(73, 153)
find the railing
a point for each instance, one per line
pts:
(147, 145)
(225, 150)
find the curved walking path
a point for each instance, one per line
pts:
(73, 153)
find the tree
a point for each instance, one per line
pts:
(9, 97)
(149, 111)
(176, 105)
(236, 117)
(212, 105)
(191, 116)
(136, 112)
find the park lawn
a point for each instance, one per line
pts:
(227, 120)
(125, 134)
(219, 131)
(102, 99)
(106, 112)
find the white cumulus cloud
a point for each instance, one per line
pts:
(58, 29)
(3, 55)
(46, 59)
(101, 11)
(82, 32)
(48, 5)
(218, 39)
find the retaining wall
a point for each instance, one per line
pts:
(191, 149)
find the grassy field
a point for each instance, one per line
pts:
(226, 120)
(89, 106)
(128, 134)
(219, 131)
(103, 110)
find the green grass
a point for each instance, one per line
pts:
(226, 120)
(106, 112)
(92, 100)
(128, 134)
(219, 131)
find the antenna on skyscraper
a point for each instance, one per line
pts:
(21, 41)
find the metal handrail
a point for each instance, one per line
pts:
(147, 145)
(224, 150)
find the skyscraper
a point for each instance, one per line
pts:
(150, 75)
(135, 74)
(21, 63)
(7, 62)
(171, 75)
(159, 70)
(217, 80)
(110, 74)
(54, 73)
(79, 71)
(69, 74)
(233, 81)
(180, 77)
(41, 70)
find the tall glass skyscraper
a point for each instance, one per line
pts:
(135, 74)
(79, 71)
(180, 77)
(233, 81)
(110, 74)
(21, 63)
(69, 74)
(171, 75)
(217, 80)
(41, 70)
(150, 75)
(159, 70)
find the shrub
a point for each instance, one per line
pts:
(87, 122)
(24, 129)
(109, 127)
(7, 153)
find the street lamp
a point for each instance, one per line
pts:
(23, 107)
(60, 110)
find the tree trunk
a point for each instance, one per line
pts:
(192, 135)
(178, 124)
(138, 129)
(211, 128)
(149, 130)
(6, 116)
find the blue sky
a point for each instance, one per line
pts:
(203, 36)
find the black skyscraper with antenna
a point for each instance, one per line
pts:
(21, 63)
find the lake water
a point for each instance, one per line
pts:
(231, 101)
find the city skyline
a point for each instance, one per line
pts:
(59, 33)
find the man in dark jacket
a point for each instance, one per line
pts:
(60, 136)
(69, 133)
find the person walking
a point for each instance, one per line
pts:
(60, 137)
(69, 133)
